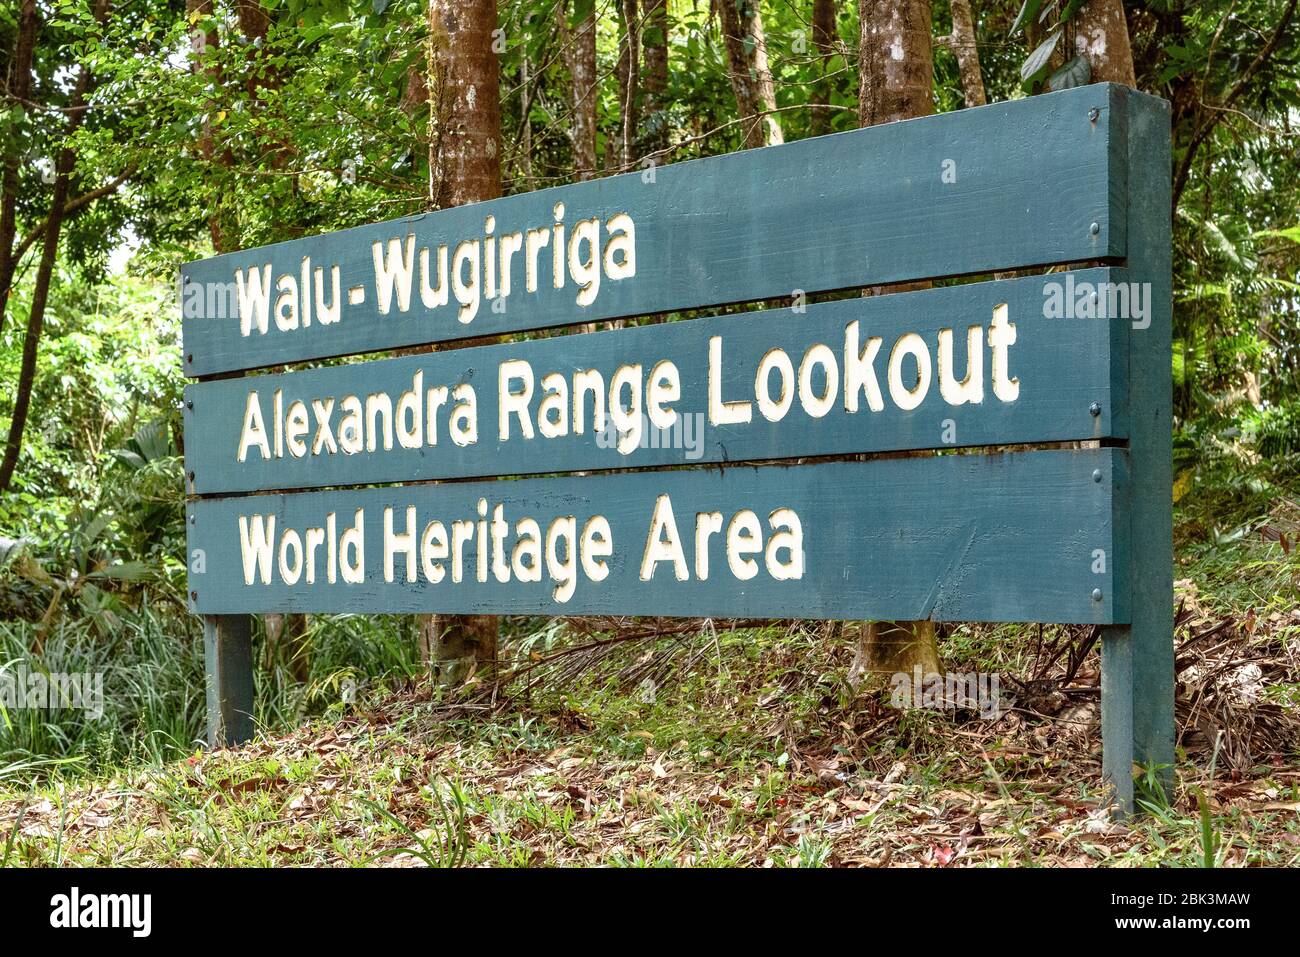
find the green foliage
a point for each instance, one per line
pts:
(108, 364)
(149, 656)
(446, 843)
(1034, 72)
(1277, 431)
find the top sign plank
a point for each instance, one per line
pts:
(953, 194)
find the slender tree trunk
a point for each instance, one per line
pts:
(580, 55)
(654, 44)
(466, 88)
(20, 85)
(525, 119)
(825, 31)
(896, 83)
(220, 230)
(629, 81)
(35, 325)
(751, 77)
(967, 52)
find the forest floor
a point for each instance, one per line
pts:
(661, 743)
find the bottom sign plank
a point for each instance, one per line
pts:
(1024, 536)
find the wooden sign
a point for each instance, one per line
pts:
(1016, 431)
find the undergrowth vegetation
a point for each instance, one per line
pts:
(663, 741)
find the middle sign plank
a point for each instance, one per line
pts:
(970, 365)
(1018, 536)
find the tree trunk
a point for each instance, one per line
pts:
(896, 83)
(967, 52)
(751, 78)
(891, 647)
(35, 324)
(629, 82)
(466, 90)
(896, 62)
(254, 24)
(825, 31)
(458, 646)
(286, 642)
(20, 84)
(525, 119)
(580, 54)
(654, 44)
(1101, 35)
(220, 230)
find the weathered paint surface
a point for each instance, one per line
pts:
(1137, 680)
(1008, 537)
(1061, 367)
(954, 194)
(228, 664)
(1079, 535)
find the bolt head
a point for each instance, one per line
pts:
(1096, 594)
(1094, 409)
(1095, 228)
(1093, 114)
(194, 596)
(1096, 477)
(189, 403)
